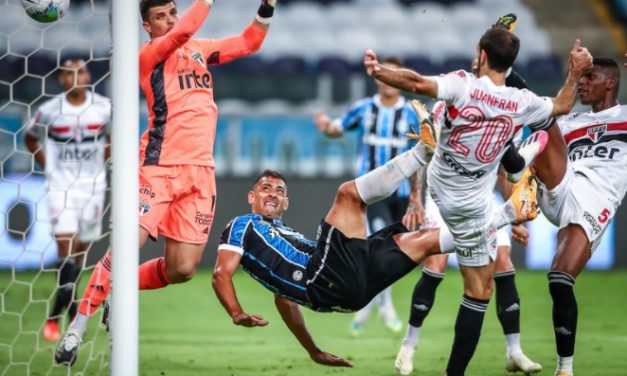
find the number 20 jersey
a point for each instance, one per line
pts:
(480, 119)
(597, 148)
(75, 141)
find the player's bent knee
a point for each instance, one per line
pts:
(347, 193)
(182, 273)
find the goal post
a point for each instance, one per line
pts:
(125, 189)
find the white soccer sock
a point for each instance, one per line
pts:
(80, 324)
(565, 363)
(512, 341)
(447, 242)
(385, 180)
(411, 336)
(362, 315)
(386, 306)
(505, 215)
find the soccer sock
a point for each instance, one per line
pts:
(79, 324)
(411, 336)
(362, 315)
(423, 296)
(152, 274)
(467, 332)
(73, 308)
(564, 315)
(97, 287)
(512, 161)
(385, 180)
(65, 288)
(505, 215)
(386, 305)
(508, 309)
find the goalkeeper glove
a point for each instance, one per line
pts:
(265, 11)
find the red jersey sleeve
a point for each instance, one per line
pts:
(160, 48)
(219, 51)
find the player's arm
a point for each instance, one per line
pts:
(415, 214)
(293, 318)
(329, 127)
(579, 60)
(31, 141)
(400, 78)
(160, 48)
(248, 42)
(226, 264)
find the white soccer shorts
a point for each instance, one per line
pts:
(475, 257)
(575, 200)
(76, 212)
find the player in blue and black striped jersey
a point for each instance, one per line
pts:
(344, 268)
(381, 122)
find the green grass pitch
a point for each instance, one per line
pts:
(184, 331)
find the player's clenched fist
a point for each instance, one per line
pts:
(370, 62)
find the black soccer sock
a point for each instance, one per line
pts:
(512, 161)
(564, 311)
(423, 296)
(65, 289)
(467, 332)
(73, 308)
(507, 301)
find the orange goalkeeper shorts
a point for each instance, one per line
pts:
(177, 202)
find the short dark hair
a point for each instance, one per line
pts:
(395, 60)
(610, 66)
(269, 173)
(145, 5)
(501, 47)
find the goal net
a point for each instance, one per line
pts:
(31, 57)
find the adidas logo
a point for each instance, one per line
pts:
(99, 288)
(421, 307)
(206, 231)
(512, 308)
(563, 331)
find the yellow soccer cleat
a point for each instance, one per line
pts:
(507, 21)
(428, 135)
(563, 373)
(524, 197)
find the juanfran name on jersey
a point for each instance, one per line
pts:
(598, 142)
(74, 138)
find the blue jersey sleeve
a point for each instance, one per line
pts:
(232, 238)
(355, 114)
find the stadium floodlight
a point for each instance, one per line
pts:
(125, 188)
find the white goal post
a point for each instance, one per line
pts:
(125, 188)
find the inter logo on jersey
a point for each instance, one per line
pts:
(595, 133)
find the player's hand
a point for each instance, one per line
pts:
(520, 234)
(328, 359)
(249, 321)
(371, 63)
(415, 214)
(580, 58)
(322, 121)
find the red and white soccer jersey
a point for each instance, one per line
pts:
(75, 162)
(480, 119)
(596, 177)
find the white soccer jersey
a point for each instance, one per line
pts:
(480, 119)
(597, 148)
(75, 141)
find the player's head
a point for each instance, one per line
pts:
(497, 50)
(599, 82)
(269, 195)
(158, 16)
(386, 90)
(74, 75)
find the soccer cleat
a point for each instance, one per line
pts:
(355, 329)
(51, 330)
(524, 199)
(521, 363)
(395, 325)
(106, 312)
(529, 149)
(429, 132)
(68, 348)
(563, 373)
(405, 359)
(507, 21)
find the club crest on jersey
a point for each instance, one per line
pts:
(198, 57)
(144, 208)
(595, 133)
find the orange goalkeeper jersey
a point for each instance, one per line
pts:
(179, 90)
